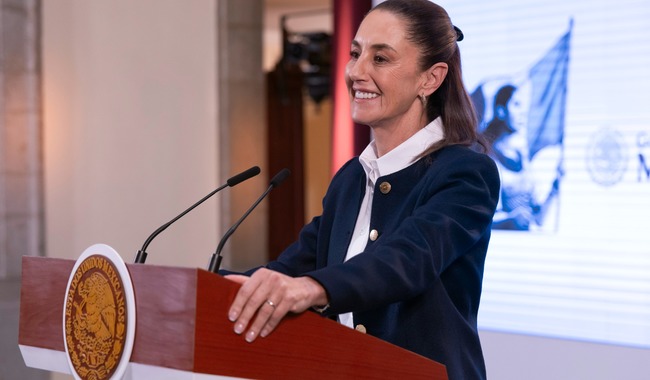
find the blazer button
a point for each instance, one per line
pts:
(374, 235)
(361, 328)
(384, 187)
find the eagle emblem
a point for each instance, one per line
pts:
(95, 319)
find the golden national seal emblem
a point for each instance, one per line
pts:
(96, 318)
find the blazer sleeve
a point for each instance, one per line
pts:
(299, 257)
(309, 251)
(451, 216)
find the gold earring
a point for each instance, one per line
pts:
(423, 98)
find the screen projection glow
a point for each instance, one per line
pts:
(562, 88)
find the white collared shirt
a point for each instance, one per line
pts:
(401, 157)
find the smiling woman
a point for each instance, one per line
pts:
(388, 89)
(399, 249)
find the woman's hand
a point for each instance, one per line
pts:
(272, 295)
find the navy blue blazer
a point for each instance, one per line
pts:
(418, 285)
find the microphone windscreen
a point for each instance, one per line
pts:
(280, 177)
(243, 176)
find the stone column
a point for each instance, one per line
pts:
(20, 136)
(21, 208)
(242, 125)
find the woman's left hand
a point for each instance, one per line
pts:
(271, 295)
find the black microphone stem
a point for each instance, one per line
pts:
(141, 255)
(215, 260)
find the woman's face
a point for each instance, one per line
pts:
(519, 107)
(383, 75)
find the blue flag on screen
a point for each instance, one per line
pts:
(549, 86)
(522, 118)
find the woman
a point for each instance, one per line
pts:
(401, 243)
(530, 182)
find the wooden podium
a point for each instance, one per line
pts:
(182, 331)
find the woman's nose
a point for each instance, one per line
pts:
(357, 69)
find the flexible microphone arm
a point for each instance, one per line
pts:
(141, 255)
(215, 260)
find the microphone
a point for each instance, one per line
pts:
(215, 261)
(141, 255)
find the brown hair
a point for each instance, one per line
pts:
(428, 26)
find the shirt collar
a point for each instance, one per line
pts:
(404, 154)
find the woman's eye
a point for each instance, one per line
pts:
(379, 59)
(354, 54)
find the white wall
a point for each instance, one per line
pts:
(130, 131)
(517, 357)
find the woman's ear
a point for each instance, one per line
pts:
(434, 76)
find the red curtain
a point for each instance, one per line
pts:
(348, 138)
